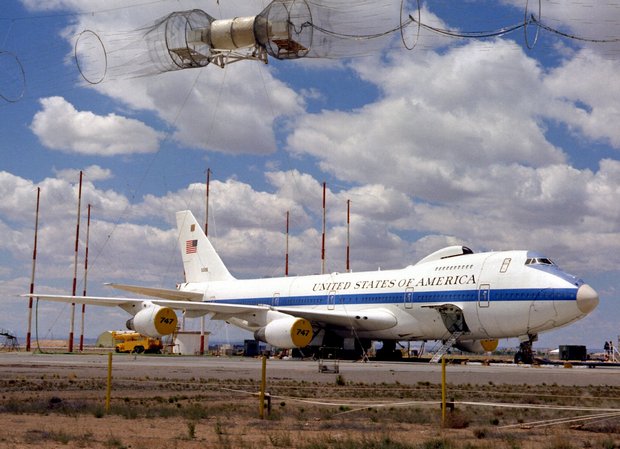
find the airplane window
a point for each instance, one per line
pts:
(505, 265)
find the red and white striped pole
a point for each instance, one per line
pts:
(85, 280)
(75, 264)
(34, 264)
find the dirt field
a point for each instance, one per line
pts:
(64, 407)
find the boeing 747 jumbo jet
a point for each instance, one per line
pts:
(465, 299)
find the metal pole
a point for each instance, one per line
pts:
(202, 335)
(348, 234)
(207, 203)
(263, 383)
(108, 392)
(443, 391)
(323, 238)
(286, 253)
(85, 280)
(34, 263)
(202, 319)
(75, 264)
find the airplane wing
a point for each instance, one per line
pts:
(159, 292)
(226, 310)
(214, 307)
(365, 320)
(94, 300)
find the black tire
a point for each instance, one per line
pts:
(519, 357)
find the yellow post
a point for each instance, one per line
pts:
(109, 384)
(443, 391)
(263, 382)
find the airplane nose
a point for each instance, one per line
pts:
(587, 299)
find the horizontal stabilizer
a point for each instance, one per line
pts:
(164, 293)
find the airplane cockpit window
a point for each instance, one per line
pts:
(538, 261)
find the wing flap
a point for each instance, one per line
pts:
(177, 295)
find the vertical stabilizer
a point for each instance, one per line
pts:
(200, 261)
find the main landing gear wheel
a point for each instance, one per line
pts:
(389, 352)
(525, 354)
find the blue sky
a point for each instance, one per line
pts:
(482, 142)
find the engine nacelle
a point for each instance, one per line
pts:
(154, 321)
(286, 333)
(477, 346)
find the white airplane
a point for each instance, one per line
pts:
(466, 299)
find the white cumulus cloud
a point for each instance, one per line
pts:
(60, 126)
(92, 173)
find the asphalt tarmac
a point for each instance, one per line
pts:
(16, 364)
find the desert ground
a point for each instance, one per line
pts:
(59, 401)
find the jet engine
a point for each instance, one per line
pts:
(477, 346)
(154, 321)
(286, 333)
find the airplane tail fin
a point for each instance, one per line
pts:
(200, 260)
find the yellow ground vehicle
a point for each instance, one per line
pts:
(134, 342)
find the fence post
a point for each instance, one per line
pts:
(263, 381)
(108, 392)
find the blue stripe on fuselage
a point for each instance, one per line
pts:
(548, 294)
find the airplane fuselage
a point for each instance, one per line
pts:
(501, 295)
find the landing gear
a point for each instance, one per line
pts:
(389, 351)
(524, 354)
(349, 348)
